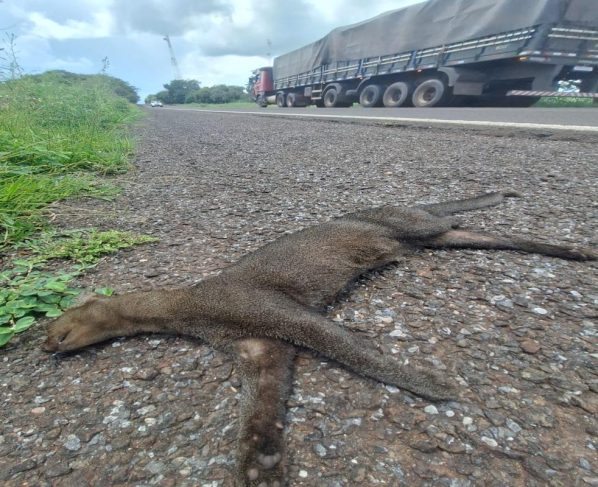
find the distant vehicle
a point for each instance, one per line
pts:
(156, 103)
(442, 53)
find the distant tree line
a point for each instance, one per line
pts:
(189, 91)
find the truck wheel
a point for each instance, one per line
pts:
(396, 95)
(261, 101)
(430, 93)
(280, 100)
(331, 98)
(291, 100)
(371, 96)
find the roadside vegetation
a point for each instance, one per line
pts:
(557, 102)
(59, 131)
(189, 91)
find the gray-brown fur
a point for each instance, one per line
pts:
(275, 298)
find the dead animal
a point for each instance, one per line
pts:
(275, 298)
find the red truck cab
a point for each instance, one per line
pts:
(261, 85)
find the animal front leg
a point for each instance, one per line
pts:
(464, 239)
(265, 367)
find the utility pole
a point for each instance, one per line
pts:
(175, 65)
(269, 53)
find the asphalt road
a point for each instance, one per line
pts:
(515, 331)
(578, 119)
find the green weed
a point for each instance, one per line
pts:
(29, 291)
(556, 102)
(82, 247)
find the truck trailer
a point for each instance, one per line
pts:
(443, 53)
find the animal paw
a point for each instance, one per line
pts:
(582, 254)
(266, 471)
(260, 462)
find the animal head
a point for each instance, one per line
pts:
(89, 321)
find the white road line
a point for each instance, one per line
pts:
(473, 123)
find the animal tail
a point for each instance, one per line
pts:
(481, 201)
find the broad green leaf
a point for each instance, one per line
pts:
(56, 286)
(52, 299)
(44, 307)
(23, 324)
(5, 337)
(54, 313)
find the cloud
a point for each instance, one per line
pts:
(229, 69)
(216, 41)
(101, 25)
(174, 17)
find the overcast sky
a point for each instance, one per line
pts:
(215, 41)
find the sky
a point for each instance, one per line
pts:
(215, 41)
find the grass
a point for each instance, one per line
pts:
(557, 102)
(54, 134)
(58, 132)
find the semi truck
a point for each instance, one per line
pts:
(443, 53)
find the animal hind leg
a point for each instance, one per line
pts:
(468, 204)
(265, 367)
(282, 318)
(472, 240)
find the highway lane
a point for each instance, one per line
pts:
(576, 119)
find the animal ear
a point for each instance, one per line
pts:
(84, 297)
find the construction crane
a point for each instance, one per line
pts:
(175, 65)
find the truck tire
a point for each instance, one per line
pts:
(296, 100)
(430, 93)
(281, 100)
(331, 98)
(261, 101)
(371, 96)
(396, 95)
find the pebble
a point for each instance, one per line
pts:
(320, 450)
(530, 346)
(585, 464)
(491, 442)
(467, 421)
(431, 409)
(72, 443)
(539, 311)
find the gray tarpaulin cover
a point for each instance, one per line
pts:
(430, 24)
